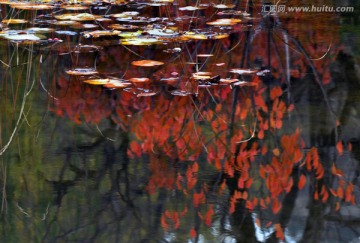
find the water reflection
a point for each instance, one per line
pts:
(247, 133)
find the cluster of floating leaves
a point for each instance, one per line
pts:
(116, 22)
(149, 30)
(141, 87)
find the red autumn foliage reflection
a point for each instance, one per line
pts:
(239, 132)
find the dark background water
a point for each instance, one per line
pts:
(275, 159)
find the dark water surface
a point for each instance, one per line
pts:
(241, 130)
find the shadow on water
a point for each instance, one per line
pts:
(157, 122)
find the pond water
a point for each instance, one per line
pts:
(177, 121)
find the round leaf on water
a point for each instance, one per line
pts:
(161, 1)
(65, 23)
(147, 94)
(140, 41)
(242, 71)
(123, 27)
(66, 32)
(130, 34)
(195, 36)
(228, 80)
(77, 17)
(162, 32)
(21, 36)
(205, 55)
(14, 21)
(30, 37)
(125, 14)
(147, 63)
(39, 30)
(224, 6)
(111, 83)
(201, 75)
(219, 36)
(116, 84)
(78, 25)
(101, 33)
(192, 8)
(224, 22)
(97, 81)
(170, 80)
(81, 71)
(75, 7)
(139, 80)
(180, 93)
(230, 12)
(31, 6)
(243, 83)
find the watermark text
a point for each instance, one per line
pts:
(305, 9)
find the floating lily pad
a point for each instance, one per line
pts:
(142, 20)
(195, 36)
(23, 37)
(139, 80)
(81, 71)
(230, 12)
(84, 26)
(173, 50)
(39, 30)
(162, 1)
(244, 83)
(242, 71)
(130, 34)
(74, 7)
(101, 33)
(162, 32)
(181, 93)
(78, 17)
(205, 55)
(263, 72)
(192, 8)
(117, 84)
(125, 14)
(123, 27)
(147, 63)
(205, 35)
(219, 36)
(187, 18)
(20, 36)
(97, 81)
(224, 6)
(108, 82)
(66, 32)
(65, 23)
(14, 21)
(173, 39)
(201, 75)
(140, 41)
(228, 80)
(224, 22)
(31, 6)
(170, 80)
(147, 94)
